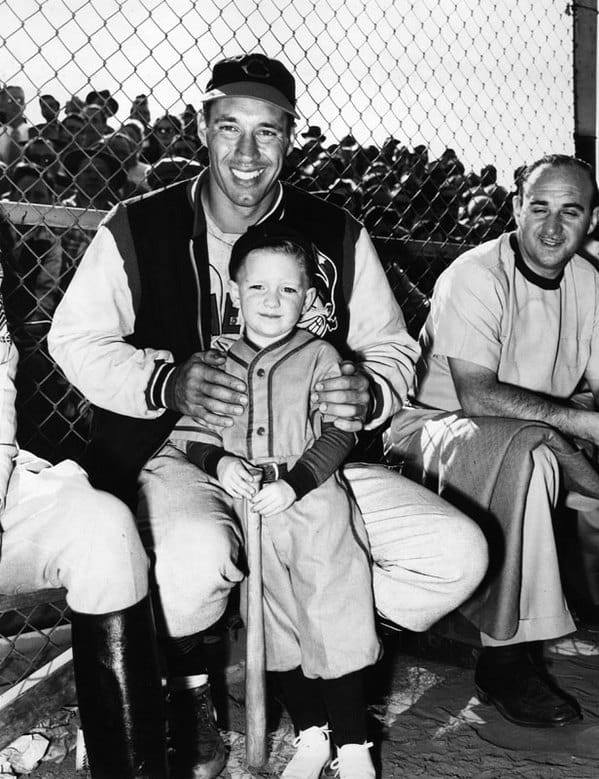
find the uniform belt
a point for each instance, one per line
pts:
(272, 471)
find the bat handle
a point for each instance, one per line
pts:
(255, 656)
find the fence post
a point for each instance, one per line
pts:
(585, 79)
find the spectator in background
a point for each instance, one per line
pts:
(98, 176)
(94, 127)
(51, 129)
(163, 133)
(105, 101)
(31, 184)
(137, 170)
(14, 128)
(313, 145)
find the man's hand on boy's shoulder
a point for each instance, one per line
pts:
(201, 389)
(348, 398)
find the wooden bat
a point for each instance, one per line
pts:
(255, 658)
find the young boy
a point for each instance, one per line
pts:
(319, 612)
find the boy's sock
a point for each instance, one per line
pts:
(345, 702)
(185, 661)
(303, 699)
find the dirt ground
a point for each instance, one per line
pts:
(426, 720)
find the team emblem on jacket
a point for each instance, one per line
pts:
(321, 318)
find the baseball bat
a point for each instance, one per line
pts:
(255, 657)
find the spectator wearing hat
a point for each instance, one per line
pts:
(41, 152)
(31, 183)
(14, 127)
(164, 131)
(313, 143)
(52, 129)
(104, 100)
(98, 176)
(95, 126)
(351, 158)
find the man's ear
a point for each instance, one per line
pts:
(202, 128)
(594, 220)
(309, 299)
(291, 141)
(234, 292)
(516, 206)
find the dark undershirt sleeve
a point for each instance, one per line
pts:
(205, 456)
(322, 459)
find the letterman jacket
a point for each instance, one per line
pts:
(139, 304)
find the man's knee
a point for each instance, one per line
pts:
(108, 566)
(466, 551)
(196, 567)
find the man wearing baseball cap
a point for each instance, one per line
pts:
(142, 330)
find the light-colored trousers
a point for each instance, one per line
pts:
(428, 557)
(60, 532)
(544, 613)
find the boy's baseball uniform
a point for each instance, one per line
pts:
(319, 610)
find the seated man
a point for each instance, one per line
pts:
(140, 332)
(512, 334)
(56, 531)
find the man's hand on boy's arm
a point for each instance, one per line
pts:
(274, 498)
(348, 398)
(237, 476)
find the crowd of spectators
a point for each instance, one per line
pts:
(82, 156)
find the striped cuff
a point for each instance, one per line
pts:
(157, 395)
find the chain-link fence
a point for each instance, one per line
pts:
(415, 116)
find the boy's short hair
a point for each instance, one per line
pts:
(278, 236)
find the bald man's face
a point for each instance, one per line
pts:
(554, 216)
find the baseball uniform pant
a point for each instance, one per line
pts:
(60, 532)
(428, 557)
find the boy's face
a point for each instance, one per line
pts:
(272, 292)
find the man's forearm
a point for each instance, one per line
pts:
(507, 400)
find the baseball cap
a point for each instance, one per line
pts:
(267, 234)
(253, 75)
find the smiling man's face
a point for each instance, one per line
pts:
(554, 215)
(247, 142)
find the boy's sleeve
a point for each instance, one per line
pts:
(332, 447)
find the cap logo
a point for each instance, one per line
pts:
(256, 68)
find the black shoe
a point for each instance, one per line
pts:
(523, 692)
(199, 751)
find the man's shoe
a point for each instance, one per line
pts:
(524, 693)
(199, 751)
(313, 752)
(353, 762)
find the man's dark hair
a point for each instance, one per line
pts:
(280, 238)
(559, 161)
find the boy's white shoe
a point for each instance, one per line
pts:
(353, 762)
(313, 753)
